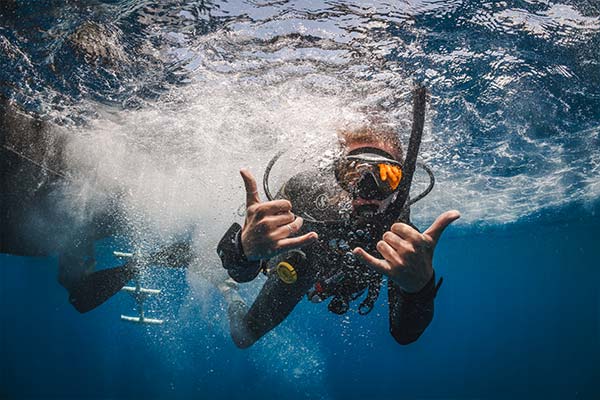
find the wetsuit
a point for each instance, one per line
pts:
(318, 198)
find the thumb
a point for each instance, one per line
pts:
(251, 189)
(437, 228)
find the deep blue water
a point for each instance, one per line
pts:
(163, 101)
(518, 316)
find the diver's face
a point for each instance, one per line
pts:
(369, 207)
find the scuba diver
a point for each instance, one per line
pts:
(333, 233)
(36, 220)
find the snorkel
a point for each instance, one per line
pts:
(394, 210)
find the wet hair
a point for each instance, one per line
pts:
(374, 132)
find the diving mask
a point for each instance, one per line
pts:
(369, 173)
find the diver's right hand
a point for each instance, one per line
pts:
(269, 227)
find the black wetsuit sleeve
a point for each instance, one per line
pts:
(273, 304)
(232, 256)
(411, 313)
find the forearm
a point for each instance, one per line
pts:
(274, 303)
(411, 313)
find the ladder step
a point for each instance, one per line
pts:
(133, 289)
(122, 254)
(139, 320)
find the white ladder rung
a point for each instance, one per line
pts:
(140, 320)
(133, 289)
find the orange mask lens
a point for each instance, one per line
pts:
(390, 173)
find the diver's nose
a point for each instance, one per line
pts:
(367, 188)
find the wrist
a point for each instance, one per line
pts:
(240, 247)
(427, 292)
(415, 284)
(240, 269)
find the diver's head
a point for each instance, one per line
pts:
(370, 167)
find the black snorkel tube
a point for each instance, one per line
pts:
(410, 161)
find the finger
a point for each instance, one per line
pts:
(275, 221)
(406, 232)
(288, 229)
(251, 188)
(390, 255)
(378, 265)
(397, 243)
(296, 242)
(437, 228)
(274, 207)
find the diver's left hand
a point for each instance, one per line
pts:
(408, 254)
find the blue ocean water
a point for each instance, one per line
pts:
(518, 316)
(169, 99)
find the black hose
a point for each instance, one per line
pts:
(268, 172)
(410, 202)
